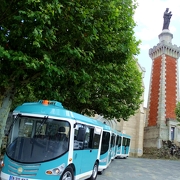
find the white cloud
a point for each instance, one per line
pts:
(146, 34)
(145, 46)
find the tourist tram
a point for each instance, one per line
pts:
(47, 141)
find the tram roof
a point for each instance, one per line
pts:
(126, 135)
(54, 108)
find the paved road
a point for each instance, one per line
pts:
(141, 169)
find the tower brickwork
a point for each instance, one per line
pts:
(163, 92)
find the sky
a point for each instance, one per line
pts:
(149, 20)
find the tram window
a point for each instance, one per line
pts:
(85, 137)
(124, 141)
(42, 129)
(112, 140)
(117, 140)
(120, 139)
(128, 142)
(91, 139)
(105, 142)
(79, 136)
(88, 138)
(25, 127)
(96, 141)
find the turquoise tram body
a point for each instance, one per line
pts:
(47, 141)
(105, 154)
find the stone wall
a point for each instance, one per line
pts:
(135, 128)
(169, 150)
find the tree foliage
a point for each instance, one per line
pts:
(79, 52)
(177, 111)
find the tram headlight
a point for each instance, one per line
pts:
(56, 171)
(2, 163)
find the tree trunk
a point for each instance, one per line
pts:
(4, 111)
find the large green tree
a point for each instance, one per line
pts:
(79, 52)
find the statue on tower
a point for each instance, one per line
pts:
(167, 17)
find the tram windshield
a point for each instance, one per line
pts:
(38, 139)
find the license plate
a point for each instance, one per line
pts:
(17, 178)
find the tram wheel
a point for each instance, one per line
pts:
(68, 174)
(95, 172)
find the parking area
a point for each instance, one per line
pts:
(141, 169)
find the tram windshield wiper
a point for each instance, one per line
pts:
(39, 128)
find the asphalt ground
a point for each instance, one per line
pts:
(141, 169)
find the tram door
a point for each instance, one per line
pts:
(86, 147)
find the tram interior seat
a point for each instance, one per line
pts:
(79, 139)
(61, 134)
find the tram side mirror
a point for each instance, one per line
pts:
(81, 134)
